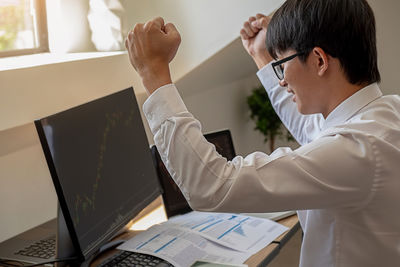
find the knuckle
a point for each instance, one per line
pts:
(148, 25)
(157, 22)
(137, 28)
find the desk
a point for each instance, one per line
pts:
(261, 258)
(267, 254)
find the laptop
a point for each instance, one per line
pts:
(174, 201)
(32, 246)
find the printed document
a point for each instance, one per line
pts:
(242, 233)
(207, 236)
(181, 248)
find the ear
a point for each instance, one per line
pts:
(321, 60)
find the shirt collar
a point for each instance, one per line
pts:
(352, 105)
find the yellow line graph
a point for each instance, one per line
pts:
(86, 202)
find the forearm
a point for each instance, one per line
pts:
(261, 59)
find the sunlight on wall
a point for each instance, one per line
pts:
(105, 24)
(68, 26)
(57, 42)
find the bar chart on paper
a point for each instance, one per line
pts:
(213, 237)
(242, 233)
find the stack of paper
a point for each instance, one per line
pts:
(211, 237)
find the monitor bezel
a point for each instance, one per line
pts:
(60, 195)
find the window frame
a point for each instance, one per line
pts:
(42, 33)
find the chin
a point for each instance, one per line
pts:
(301, 109)
(304, 111)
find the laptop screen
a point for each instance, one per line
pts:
(99, 159)
(174, 201)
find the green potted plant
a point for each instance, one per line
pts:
(267, 121)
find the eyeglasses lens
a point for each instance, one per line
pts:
(279, 71)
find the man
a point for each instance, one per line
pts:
(344, 179)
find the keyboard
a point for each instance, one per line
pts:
(44, 249)
(127, 258)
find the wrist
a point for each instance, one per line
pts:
(154, 78)
(262, 59)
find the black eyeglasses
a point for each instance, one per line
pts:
(278, 65)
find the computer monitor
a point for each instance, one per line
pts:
(99, 159)
(174, 201)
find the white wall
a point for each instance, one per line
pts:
(27, 195)
(388, 38)
(206, 26)
(34, 92)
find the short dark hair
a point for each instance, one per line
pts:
(344, 29)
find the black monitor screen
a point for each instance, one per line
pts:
(99, 159)
(174, 201)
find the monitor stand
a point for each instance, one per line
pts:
(64, 245)
(66, 249)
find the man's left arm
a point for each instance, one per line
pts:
(307, 178)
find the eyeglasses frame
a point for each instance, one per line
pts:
(280, 62)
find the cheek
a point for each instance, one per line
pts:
(298, 79)
(293, 77)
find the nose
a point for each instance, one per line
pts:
(283, 83)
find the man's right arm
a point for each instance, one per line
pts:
(304, 128)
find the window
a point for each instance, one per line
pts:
(23, 27)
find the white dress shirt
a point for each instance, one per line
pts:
(344, 179)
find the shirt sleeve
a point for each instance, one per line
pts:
(304, 128)
(318, 175)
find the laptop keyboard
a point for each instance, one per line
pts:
(44, 249)
(126, 258)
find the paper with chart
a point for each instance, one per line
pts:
(212, 237)
(181, 248)
(243, 233)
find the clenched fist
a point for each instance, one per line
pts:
(151, 48)
(253, 36)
